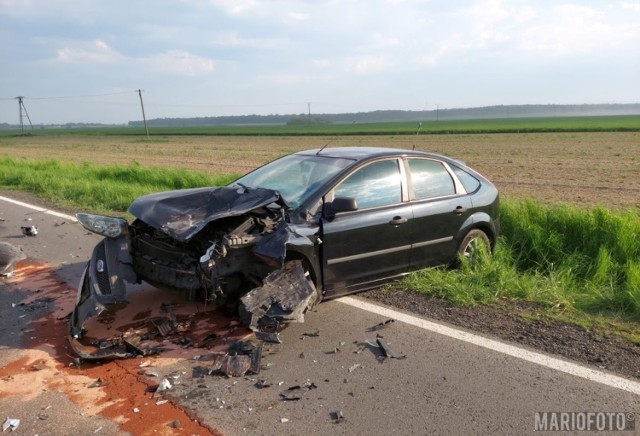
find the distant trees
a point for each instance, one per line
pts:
(301, 120)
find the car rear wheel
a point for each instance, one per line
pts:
(474, 241)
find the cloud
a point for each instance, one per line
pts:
(94, 52)
(297, 16)
(367, 64)
(572, 30)
(180, 62)
(235, 7)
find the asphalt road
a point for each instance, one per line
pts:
(439, 385)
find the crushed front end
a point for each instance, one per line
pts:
(207, 243)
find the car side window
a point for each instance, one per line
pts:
(430, 179)
(470, 183)
(377, 184)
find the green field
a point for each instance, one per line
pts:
(505, 125)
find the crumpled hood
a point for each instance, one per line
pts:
(183, 213)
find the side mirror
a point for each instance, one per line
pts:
(344, 204)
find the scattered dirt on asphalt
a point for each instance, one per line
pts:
(46, 364)
(506, 322)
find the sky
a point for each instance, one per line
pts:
(85, 60)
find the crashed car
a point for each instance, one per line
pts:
(307, 227)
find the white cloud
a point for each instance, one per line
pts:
(367, 64)
(633, 6)
(235, 7)
(233, 39)
(297, 16)
(180, 63)
(572, 30)
(284, 79)
(94, 52)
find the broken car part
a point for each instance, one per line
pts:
(285, 296)
(243, 357)
(29, 230)
(388, 352)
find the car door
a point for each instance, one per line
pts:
(440, 208)
(371, 242)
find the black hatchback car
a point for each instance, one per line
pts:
(309, 226)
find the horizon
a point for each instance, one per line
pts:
(603, 109)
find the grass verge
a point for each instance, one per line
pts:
(574, 264)
(100, 189)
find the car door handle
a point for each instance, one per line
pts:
(397, 220)
(459, 210)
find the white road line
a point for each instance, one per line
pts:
(39, 209)
(521, 353)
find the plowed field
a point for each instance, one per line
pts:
(581, 168)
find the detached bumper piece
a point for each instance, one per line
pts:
(102, 284)
(284, 297)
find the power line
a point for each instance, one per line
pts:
(84, 96)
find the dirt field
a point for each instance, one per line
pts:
(581, 168)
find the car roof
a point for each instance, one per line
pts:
(361, 153)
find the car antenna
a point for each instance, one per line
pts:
(324, 146)
(417, 133)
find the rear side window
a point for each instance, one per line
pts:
(377, 184)
(430, 179)
(470, 183)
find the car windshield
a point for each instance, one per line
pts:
(295, 176)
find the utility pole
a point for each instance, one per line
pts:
(144, 118)
(309, 108)
(23, 112)
(437, 112)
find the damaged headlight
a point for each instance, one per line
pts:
(110, 227)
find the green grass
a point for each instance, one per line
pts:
(105, 189)
(504, 125)
(574, 262)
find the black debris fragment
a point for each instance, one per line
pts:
(262, 384)
(199, 372)
(312, 335)
(29, 230)
(387, 351)
(295, 393)
(337, 417)
(175, 424)
(164, 326)
(243, 357)
(273, 337)
(292, 394)
(382, 325)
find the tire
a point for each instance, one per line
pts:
(469, 244)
